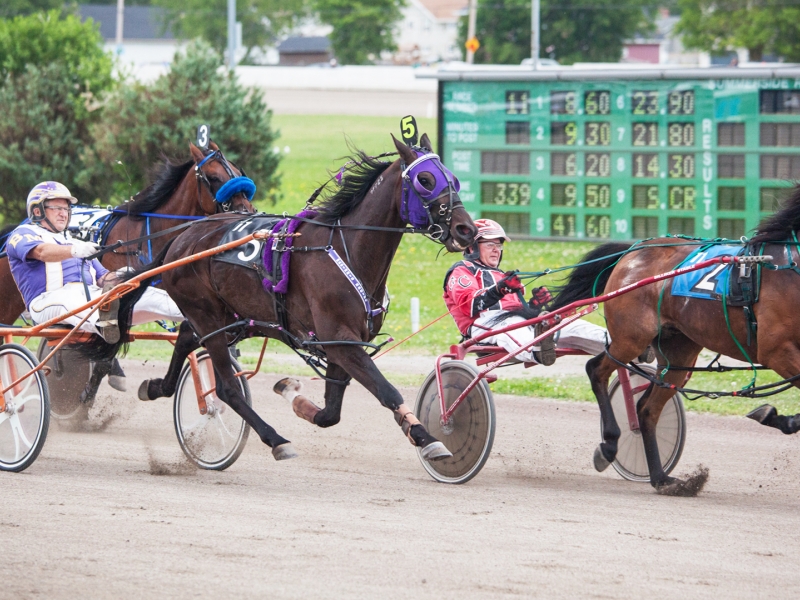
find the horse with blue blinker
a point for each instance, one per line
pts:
(320, 293)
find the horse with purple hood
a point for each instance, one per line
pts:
(329, 316)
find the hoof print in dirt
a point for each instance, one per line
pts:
(688, 488)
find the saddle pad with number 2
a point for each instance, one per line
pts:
(710, 283)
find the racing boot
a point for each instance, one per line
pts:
(546, 355)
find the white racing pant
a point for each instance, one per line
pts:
(155, 304)
(579, 335)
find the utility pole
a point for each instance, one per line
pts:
(535, 33)
(473, 15)
(120, 23)
(231, 34)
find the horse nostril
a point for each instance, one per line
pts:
(467, 232)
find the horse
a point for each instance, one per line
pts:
(191, 189)
(177, 190)
(678, 327)
(322, 310)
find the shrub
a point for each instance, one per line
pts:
(142, 122)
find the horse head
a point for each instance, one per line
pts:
(221, 185)
(429, 198)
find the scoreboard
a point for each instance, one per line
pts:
(619, 154)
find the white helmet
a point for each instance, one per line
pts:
(47, 190)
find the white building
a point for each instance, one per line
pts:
(428, 30)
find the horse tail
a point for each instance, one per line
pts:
(589, 278)
(98, 349)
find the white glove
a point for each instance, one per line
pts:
(83, 249)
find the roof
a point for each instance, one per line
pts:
(446, 10)
(304, 45)
(141, 22)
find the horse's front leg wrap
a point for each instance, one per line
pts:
(406, 419)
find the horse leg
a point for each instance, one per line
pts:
(599, 369)
(100, 369)
(116, 377)
(356, 362)
(782, 357)
(230, 392)
(680, 351)
(289, 388)
(150, 389)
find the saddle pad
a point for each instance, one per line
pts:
(249, 255)
(710, 283)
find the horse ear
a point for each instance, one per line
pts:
(406, 153)
(213, 146)
(425, 142)
(196, 153)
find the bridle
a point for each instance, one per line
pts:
(237, 184)
(417, 200)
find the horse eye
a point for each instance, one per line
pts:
(426, 180)
(214, 178)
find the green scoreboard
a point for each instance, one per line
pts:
(620, 154)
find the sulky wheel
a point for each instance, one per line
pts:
(24, 422)
(631, 461)
(68, 376)
(216, 439)
(470, 433)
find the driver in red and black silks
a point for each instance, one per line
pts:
(480, 297)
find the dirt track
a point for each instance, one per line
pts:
(355, 516)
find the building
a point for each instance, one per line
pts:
(301, 51)
(428, 31)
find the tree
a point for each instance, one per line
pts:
(42, 135)
(766, 27)
(360, 27)
(15, 8)
(143, 122)
(43, 39)
(263, 21)
(586, 30)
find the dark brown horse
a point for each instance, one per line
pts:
(323, 309)
(679, 327)
(179, 189)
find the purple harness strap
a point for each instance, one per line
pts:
(283, 285)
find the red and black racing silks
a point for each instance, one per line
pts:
(470, 287)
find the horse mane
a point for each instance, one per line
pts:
(164, 180)
(6, 230)
(782, 223)
(356, 182)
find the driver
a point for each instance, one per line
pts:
(480, 297)
(54, 276)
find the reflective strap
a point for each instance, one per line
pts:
(353, 281)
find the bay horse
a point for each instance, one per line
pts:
(679, 327)
(177, 189)
(323, 309)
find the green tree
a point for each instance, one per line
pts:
(142, 122)
(765, 27)
(15, 8)
(589, 30)
(360, 27)
(48, 38)
(42, 135)
(263, 21)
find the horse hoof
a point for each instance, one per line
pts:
(762, 413)
(142, 393)
(117, 382)
(284, 451)
(435, 451)
(287, 384)
(600, 461)
(688, 488)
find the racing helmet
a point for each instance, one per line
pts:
(46, 190)
(487, 230)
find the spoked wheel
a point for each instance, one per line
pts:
(470, 433)
(69, 374)
(24, 423)
(631, 461)
(216, 439)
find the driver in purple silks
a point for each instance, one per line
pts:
(481, 297)
(54, 277)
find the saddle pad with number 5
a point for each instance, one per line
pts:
(248, 255)
(710, 283)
